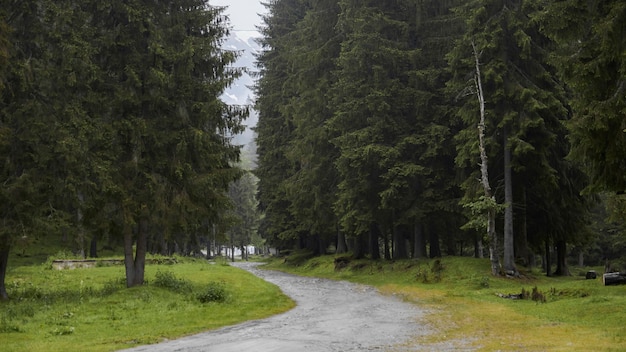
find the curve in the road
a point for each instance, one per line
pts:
(329, 316)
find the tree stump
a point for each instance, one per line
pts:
(591, 274)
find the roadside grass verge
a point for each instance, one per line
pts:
(462, 298)
(89, 309)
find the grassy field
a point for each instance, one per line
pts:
(463, 300)
(90, 309)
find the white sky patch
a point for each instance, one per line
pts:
(244, 16)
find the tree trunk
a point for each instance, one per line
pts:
(433, 239)
(509, 239)
(232, 247)
(399, 244)
(80, 234)
(548, 259)
(93, 247)
(581, 259)
(135, 263)
(341, 242)
(419, 243)
(561, 259)
(522, 250)
(4, 261)
(358, 246)
(479, 250)
(484, 171)
(374, 249)
(493, 242)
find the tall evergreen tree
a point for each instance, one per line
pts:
(371, 100)
(242, 194)
(40, 112)
(314, 45)
(430, 190)
(161, 87)
(591, 60)
(525, 104)
(275, 127)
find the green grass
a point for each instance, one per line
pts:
(91, 310)
(578, 315)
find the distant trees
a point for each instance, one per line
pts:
(390, 91)
(111, 121)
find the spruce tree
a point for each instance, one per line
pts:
(275, 126)
(590, 59)
(526, 106)
(314, 45)
(170, 150)
(371, 100)
(42, 134)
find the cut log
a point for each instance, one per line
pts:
(614, 279)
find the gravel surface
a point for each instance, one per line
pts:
(329, 316)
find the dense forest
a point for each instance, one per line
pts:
(111, 126)
(389, 129)
(423, 128)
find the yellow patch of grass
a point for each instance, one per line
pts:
(464, 311)
(494, 326)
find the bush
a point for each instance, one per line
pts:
(213, 292)
(170, 281)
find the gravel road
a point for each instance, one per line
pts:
(329, 316)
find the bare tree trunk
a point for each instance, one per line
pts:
(4, 261)
(479, 250)
(484, 172)
(509, 238)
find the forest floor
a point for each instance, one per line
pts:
(329, 316)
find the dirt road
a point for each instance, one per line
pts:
(329, 316)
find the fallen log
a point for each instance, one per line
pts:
(614, 279)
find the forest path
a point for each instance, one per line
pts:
(329, 316)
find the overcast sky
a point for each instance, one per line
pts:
(243, 15)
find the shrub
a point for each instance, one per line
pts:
(168, 280)
(213, 292)
(437, 269)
